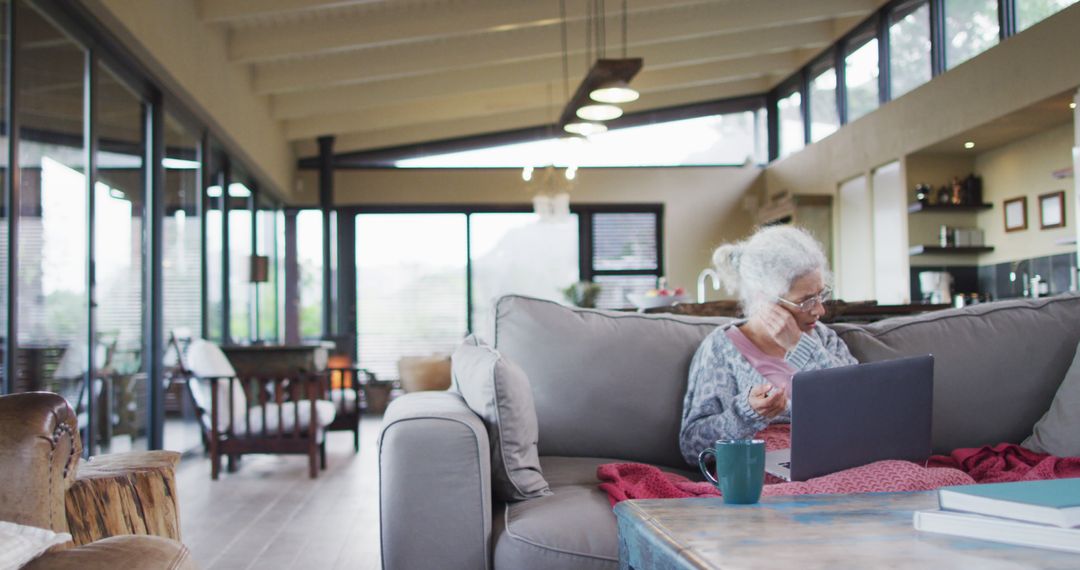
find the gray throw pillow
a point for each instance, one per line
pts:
(498, 391)
(1058, 432)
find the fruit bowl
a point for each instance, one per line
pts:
(642, 301)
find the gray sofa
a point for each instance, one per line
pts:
(608, 386)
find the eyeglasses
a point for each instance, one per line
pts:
(808, 305)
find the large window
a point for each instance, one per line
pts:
(119, 204)
(861, 76)
(411, 287)
(309, 247)
(824, 116)
(971, 27)
(215, 248)
(909, 47)
(792, 131)
(267, 285)
(52, 296)
(519, 253)
(241, 316)
(1031, 12)
(731, 138)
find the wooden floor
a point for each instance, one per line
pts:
(269, 514)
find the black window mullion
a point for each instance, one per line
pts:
(253, 287)
(1006, 18)
(153, 288)
(226, 296)
(468, 274)
(772, 118)
(90, 144)
(12, 201)
(585, 269)
(884, 59)
(804, 106)
(206, 180)
(938, 65)
(840, 64)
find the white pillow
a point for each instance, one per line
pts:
(19, 544)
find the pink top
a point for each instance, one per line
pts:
(774, 369)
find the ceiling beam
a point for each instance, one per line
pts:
(506, 101)
(660, 40)
(531, 80)
(394, 23)
(232, 11)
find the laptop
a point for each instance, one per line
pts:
(854, 415)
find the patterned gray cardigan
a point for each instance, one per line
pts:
(717, 404)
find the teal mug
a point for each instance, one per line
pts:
(740, 469)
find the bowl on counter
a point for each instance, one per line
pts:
(642, 302)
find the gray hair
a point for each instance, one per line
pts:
(765, 265)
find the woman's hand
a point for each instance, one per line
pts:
(768, 400)
(780, 326)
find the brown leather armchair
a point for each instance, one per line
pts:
(39, 452)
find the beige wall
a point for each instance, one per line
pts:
(167, 35)
(703, 207)
(1024, 169)
(1021, 71)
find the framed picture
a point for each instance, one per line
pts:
(1016, 214)
(1052, 210)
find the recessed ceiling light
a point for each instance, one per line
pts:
(584, 128)
(969, 144)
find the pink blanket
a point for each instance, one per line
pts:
(1004, 462)
(623, 481)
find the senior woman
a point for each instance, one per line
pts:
(740, 377)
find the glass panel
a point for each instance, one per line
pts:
(615, 288)
(824, 118)
(971, 27)
(909, 48)
(624, 242)
(410, 287)
(861, 79)
(240, 226)
(792, 132)
(215, 279)
(1031, 12)
(119, 203)
(53, 345)
(267, 288)
(517, 253)
(309, 239)
(4, 207)
(713, 140)
(182, 270)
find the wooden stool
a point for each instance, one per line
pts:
(124, 493)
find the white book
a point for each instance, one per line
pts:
(997, 529)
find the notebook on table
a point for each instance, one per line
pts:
(855, 415)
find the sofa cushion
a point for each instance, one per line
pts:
(1058, 432)
(498, 391)
(573, 528)
(996, 365)
(605, 383)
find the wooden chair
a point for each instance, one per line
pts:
(255, 414)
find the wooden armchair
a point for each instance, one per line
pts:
(253, 413)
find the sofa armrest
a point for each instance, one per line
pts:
(434, 484)
(39, 448)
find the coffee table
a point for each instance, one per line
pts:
(810, 531)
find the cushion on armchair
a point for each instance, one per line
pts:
(20, 544)
(498, 391)
(1058, 432)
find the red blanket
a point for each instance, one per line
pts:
(1004, 462)
(1007, 462)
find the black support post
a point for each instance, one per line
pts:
(153, 288)
(206, 179)
(326, 203)
(90, 145)
(292, 281)
(226, 296)
(13, 203)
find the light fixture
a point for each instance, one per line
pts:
(607, 81)
(1072, 105)
(616, 92)
(602, 112)
(526, 173)
(969, 144)
(585, 128)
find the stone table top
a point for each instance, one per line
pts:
(811, 531)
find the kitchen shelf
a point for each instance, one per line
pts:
(920, 207)
(936, 250)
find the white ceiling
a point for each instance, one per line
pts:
(382, 73)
